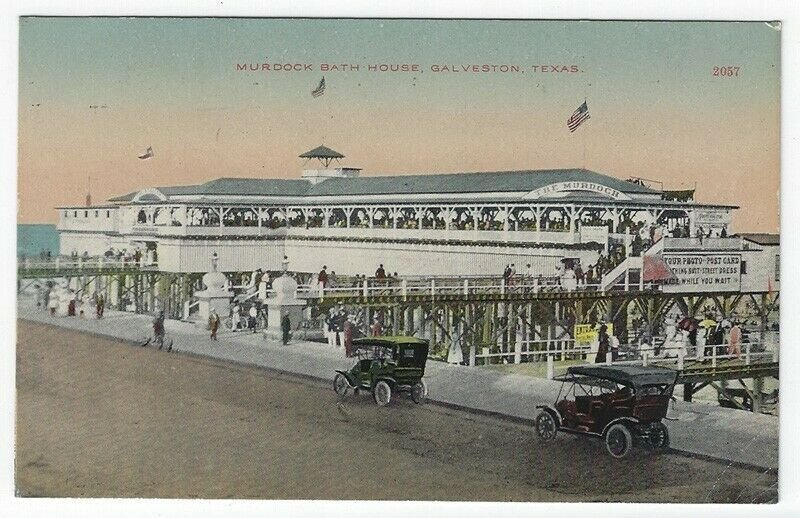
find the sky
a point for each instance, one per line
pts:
(657, 109)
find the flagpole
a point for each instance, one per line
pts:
(584, 138)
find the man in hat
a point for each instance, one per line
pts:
(213, 323)
(330, 327)
(322, 278)
(158, 329)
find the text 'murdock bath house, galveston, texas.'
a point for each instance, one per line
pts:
(415, 224)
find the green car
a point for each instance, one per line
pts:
(386, 365)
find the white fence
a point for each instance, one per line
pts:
(441, 286)
(80, 263)
(674, 356)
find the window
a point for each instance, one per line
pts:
(777, 267)
(74, 213)
(97, 214)
(744, 268)
(86, 214)
(108, 213)
(66, 214)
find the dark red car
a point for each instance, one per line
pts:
(623, 404)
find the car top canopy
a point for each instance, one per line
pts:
(631, 375)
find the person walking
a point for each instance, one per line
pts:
(286, 328)
(614, 344)
(252, 318)
(341, 318)
(84, 305)
(236, 317)
(322, 278)
(158, 329)
(602, 340)
(213, 323)
(376, 329)
(348, 337)
(735, 340)
(52, 302)
(330, 325)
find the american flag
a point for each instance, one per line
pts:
(578, 117)
(320, 89)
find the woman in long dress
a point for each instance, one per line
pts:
(602, 349)
(455, 355)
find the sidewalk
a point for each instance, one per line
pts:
(697, 428)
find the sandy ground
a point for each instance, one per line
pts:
(102, 418)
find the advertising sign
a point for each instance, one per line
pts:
(711, 218)
(586, 334)
(703, 272)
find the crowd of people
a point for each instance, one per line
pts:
(341, 327)
(62, 301)
(329, 281)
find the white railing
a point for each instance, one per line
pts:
(646, 356)
(80, 263)
(188, 307)
(623, 268)
(436, 287)
(710, 243)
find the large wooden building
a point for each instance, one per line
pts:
(415, 224)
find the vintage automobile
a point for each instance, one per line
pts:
(623, 404)
(386, 365)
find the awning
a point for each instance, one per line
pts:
(655, 269)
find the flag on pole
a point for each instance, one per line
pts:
(147, 154)
(320, 89)
(578, 117)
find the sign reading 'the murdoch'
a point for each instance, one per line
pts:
(704, 272)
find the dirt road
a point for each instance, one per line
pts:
(97, 417)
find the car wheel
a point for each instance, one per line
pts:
(618, 440)
(545, 426)
(418, 393)
(382, 393)
(658, 437)
(340, 384)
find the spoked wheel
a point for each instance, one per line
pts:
(545, 426)
(382, 393)
(618, 441)
(658, 437)
(418, 393)
(340, 385)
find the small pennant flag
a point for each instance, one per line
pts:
(578, 117)
(320, 89)
(147, 154)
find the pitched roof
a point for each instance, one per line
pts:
(253, 187)
(167, 191)
(439, 183)
(322, 152)
(763, 239)
(499, 181)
